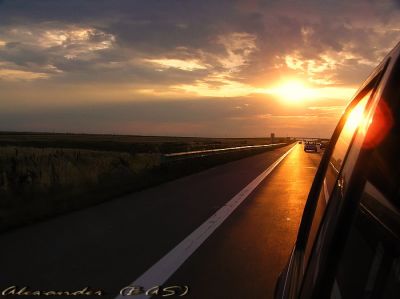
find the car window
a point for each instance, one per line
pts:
(383, 167)
(343, 143)
(335, 164)
(369, 266)
(321, 239)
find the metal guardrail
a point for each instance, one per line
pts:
(218, 150)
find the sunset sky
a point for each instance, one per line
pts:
(234, 68)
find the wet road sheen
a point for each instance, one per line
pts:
(245, 256)
(110, 245)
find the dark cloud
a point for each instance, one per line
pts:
(96, 44)
(159, 28)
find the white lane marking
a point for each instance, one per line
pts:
(166, 266)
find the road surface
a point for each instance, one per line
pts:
(107, 247)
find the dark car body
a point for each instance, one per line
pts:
(348, 244)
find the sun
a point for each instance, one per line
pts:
(292, 91)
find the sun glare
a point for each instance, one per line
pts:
(292, 91)
(357, 117)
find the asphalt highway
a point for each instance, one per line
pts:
(107, 247)
(245, 256)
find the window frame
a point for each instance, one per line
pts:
(378, 206)
(371, 84)
(325, 196)
(335, 232)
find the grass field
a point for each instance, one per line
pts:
(43, 175)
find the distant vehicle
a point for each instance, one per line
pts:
(300, 142)
(348, 244)
(310, 146)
